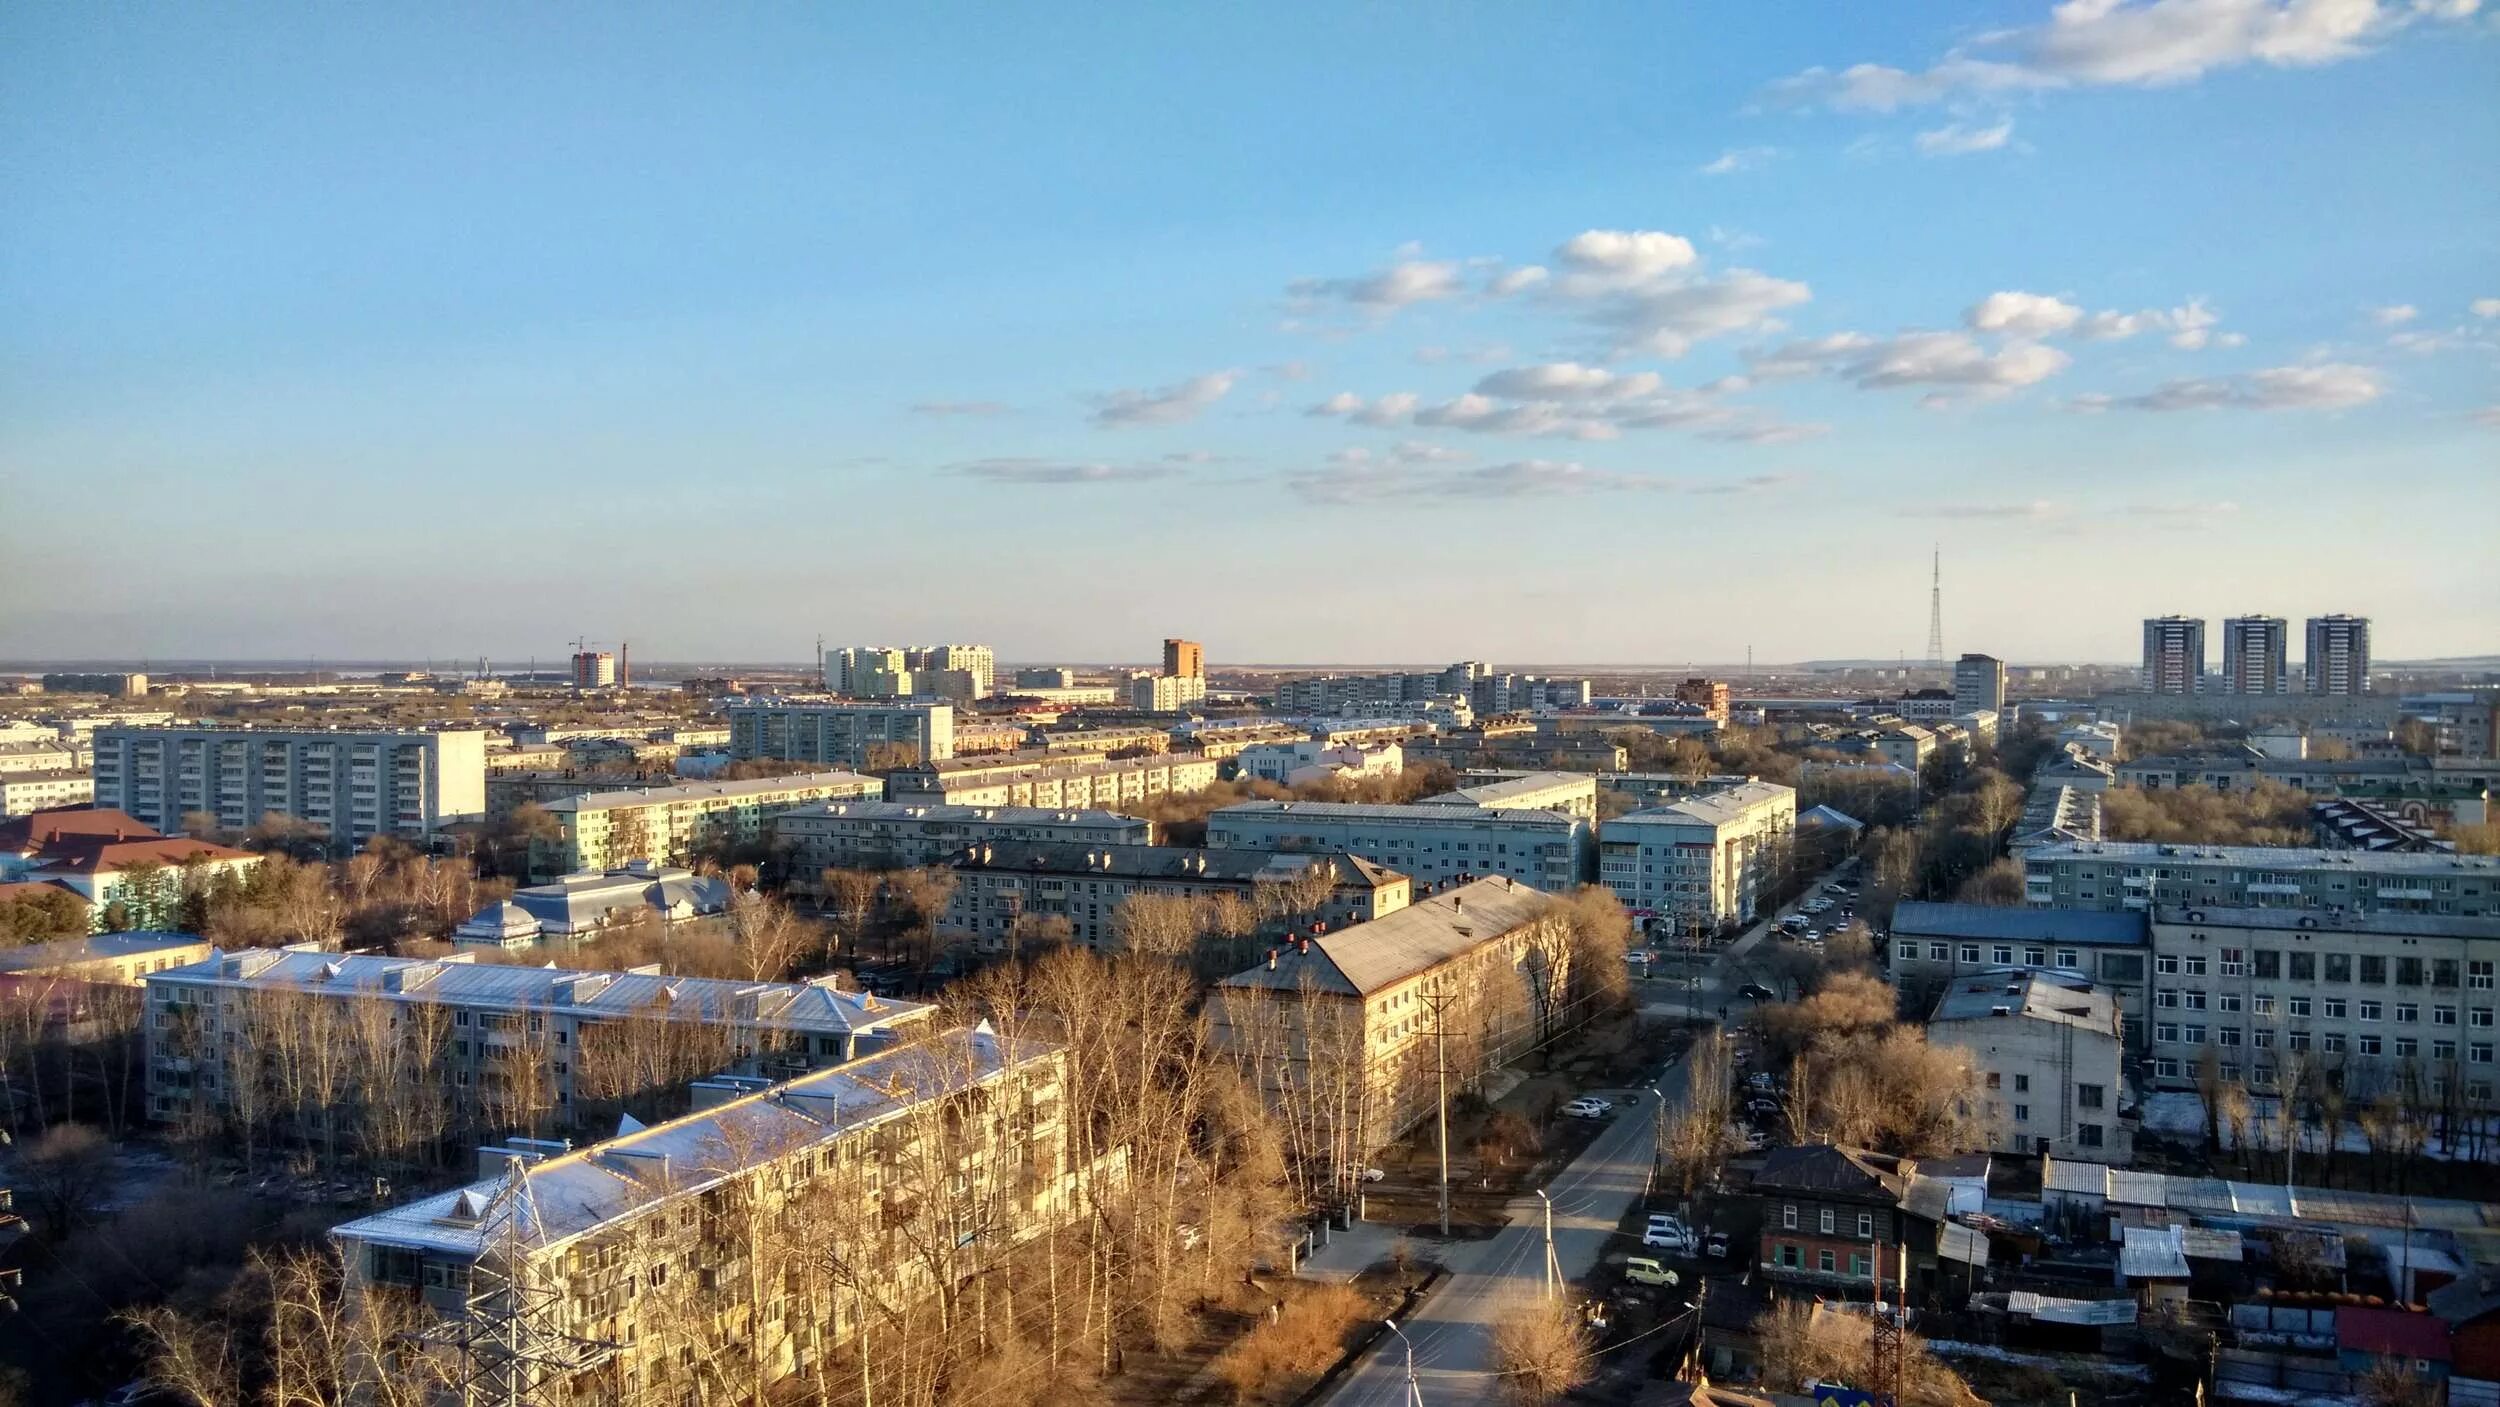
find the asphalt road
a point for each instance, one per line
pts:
(1452, 1332)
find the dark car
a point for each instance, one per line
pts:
(1756, 992)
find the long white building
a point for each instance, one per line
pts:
(841, 733)
(1547, 850)
(354, 783)
(882, 835)
(1701, 863)
(2147, 874)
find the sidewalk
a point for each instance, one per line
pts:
(1349, 1253)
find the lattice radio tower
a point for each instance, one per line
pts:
(1935, 613)
(508, 1350)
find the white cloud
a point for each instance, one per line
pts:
(1950, 359)
(2394, 314)
(1958, 139)
(2022, 314)
(2487, 415)
(1567, 381)
(2190, 325)
(962, 408)
(2088, 43)
(1736, 159)
(1667, 321)
(1402, 284)
(1518, 280)
(2486, 307)
(2325, 386)
(1175, 404)
(1045, 471)
(1365, 481)
(1985, 512)
(1568, 400)
(1598, 260)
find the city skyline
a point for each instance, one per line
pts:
(722, 334)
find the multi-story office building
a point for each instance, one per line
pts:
(2043, 1050)
(1979, 684)
(998, 885)
(2174, 656)
(1703, 863)
(1058, 782)
(354, 783)
(2256, 655)
(2338, 661)
(1343, 1024)
(645, 1248)
(1184, 657)
(594, 669)
(842, 733)
(609, 830)
(890, 835)
(1935, 945)
(2145, 874)
(1546, 850)
(464, 1020)
(2368, 1001)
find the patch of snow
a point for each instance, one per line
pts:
(2052, 1362)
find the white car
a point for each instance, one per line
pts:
(1670, 1233)
(1587, 1109)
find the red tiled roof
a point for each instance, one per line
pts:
(2391, 1332)
(53, 823)
(93, 855)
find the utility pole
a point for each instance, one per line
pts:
(1885, 1342)
(1414, 1390)
(1553, 1267)
(1438, 999)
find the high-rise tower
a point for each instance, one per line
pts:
(1935, 614)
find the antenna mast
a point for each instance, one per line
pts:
(1935, 612)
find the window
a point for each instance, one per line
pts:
(2233, 964)
(2194, 966)
(2299, 1005)
(2478, 975)
(2226, 1035)
(1788, 1217)
(2370, 1011)
(2443, 1050)
(1970, 953)
(2371, 1045)
(2166, 966)
(1858, 1266)
(2262, 1005)
(2166, 1032)
(2303, 967)
(1789, 1257)
(2374, 969)
(1828, 1219)
(2166, 1069)
(2195, 999)
(2226, 1001)
(2408, 972)
(2299, 1040)
(2022, 1113)
(1995, 1079)
(2090, 1096)
(2269, 964)
(2443, 1016)
(2407, 1047)
(1823, 1261)
(2409, 1012)
(2002, 955)
(1939, 952)
(2443, 972)
(2332, 1042)
(2192, 1035)
(2088, 1135)
(2067, 958)
(2481, 1016)
(2338, 967)
(2261, 1038)
(2022, 1084)
(2167, 997)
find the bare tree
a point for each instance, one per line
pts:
(1542, 1351)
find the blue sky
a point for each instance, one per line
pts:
(1590, 333)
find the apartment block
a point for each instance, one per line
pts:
(2150, 875)
(2256, 656)
(1494, 789)
(2464, 723)
(1344, 1021)
(354, 783)
(644, 1243)
(885, 672)
(1703, 863)
(469, 1023)
(1186, 657)
(1055, 783)
(2044, 1050)
(2338, 661)
(24, 792)
(1979, 684)
(609, 830)
(2368, 1000)
(1000, 884)
(1545, 850)
(119, 685)
(1935, 945)
(1707, 697)
(594, 669)
(842, 733)
(1166, 693)
(886, 835)
(2174, 656)
(1311, 760)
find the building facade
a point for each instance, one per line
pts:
(2256, 656)
(888, 835)
(1496, 789)
(2174, 656)
(1184, 657)
(1167, 693)
(1932, 946)
(25, 792)
(999, 885)
(2338, 659)
(1544, 850)
(352, 783)
(839, 733)
(609, 830)
(2149, 875)
(1704, 863)
(1979, 683)
(1056, 783)
(2044, 1051)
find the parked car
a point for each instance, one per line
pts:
(1756, 992)
(1762, 1107)
(1717, 1249)
(1762, 1080)
(1586, 1109)
(1671, 1234)
(1641, 1270)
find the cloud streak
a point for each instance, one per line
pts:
(1176, 404)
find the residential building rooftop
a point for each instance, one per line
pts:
(2389, 924)
(95, 947)
(22, 834)
(1171, 862)
(937, 812)
(2275, 857)
(1719, 808)
(2088, 926)
(1366, 957)
(95, 855)
(2031, 995)
(1368, 811)
(707, 791)
(1515, 790)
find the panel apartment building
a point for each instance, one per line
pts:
(464, 1023)
(1545, 850)
(1702, 863)
(893, 835)
(910, 1167)
(2147, 874)
(836, 733)
(999, 884)
(609, 830)
(354, 783)
(1052, 781)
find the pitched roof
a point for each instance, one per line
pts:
(1829, 1168)
(1930, 920)
(20, 834)
(95, 855)
(1365, 957)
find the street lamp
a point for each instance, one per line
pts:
(1414, 1391)
(1553, 1269)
